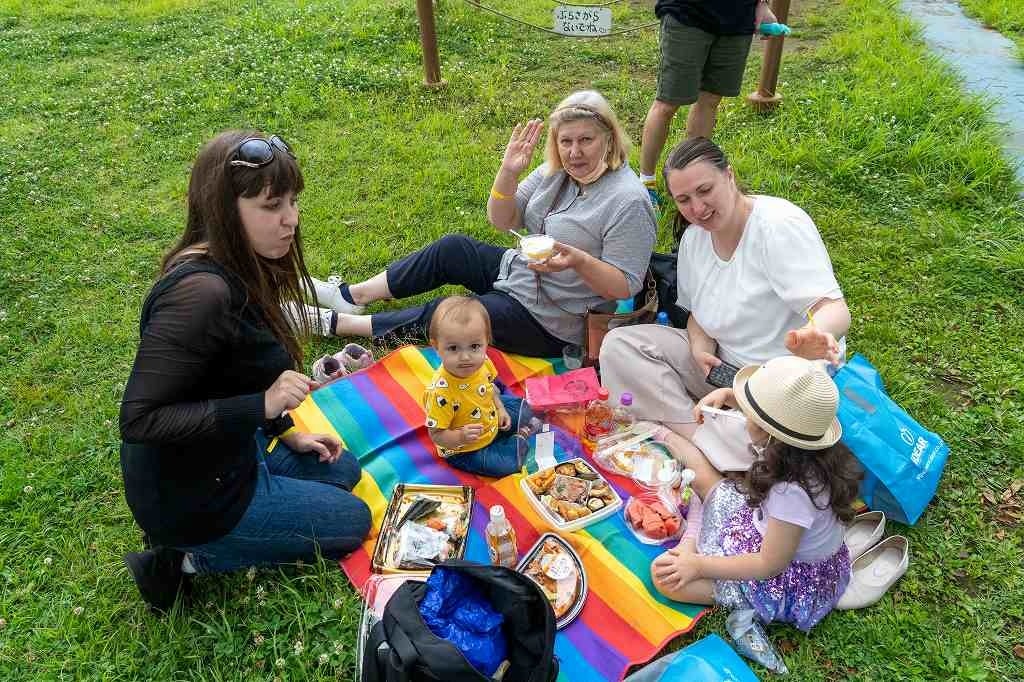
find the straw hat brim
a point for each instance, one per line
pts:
(827, 440)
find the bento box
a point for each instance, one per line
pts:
(423, 525)
(571, 495)
(553, 564)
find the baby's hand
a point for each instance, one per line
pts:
(471, 432)
(504, 420)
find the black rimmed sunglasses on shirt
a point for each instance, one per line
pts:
(256, 152)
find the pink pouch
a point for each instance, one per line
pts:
(571, 389)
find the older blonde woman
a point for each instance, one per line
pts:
(585, 196)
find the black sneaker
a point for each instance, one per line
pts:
(158, 575)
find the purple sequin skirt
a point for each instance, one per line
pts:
(803, 594)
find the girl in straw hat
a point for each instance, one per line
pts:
(775, 539)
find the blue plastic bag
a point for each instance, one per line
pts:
(454, 608)
(903, 461)
(707, 660)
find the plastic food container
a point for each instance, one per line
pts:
(551, 482)
(537, 247)
(451, 518)
(653, 518)
(642, 460)
(553, 564)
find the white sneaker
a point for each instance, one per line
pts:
(320, 321)
(865, 531)
(329, 294)
(875, 571)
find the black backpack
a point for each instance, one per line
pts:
(401, 648)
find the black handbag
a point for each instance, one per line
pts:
(663, 269)
(401, 648)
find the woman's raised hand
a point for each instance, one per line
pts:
(812, 343)
(286, 393)
(519, 151)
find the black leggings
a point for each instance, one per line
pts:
(461, 260)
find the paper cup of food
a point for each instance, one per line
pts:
(537, 247)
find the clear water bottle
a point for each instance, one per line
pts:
(501, 539)
(598, 420)
(662, 319)
(622, 415)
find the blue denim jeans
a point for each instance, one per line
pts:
(300, 504)
(503, 455)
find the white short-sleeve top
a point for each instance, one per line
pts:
(779, 270)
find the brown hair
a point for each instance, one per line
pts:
(213, 229)
(458, 310)
(834, 469)
(682, 155)
(587, 105)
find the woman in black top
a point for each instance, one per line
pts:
(215, 372)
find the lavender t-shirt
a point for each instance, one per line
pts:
(789, 502)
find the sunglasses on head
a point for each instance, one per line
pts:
(256, 152)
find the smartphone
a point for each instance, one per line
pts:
(722, 375)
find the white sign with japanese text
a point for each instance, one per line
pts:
(583, 21)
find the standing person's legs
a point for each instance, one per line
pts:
(300, 505)
(700, 120)
(684, 50)
(654, 363)
(722, 76)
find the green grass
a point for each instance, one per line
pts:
(1005, 16)
(102, 108)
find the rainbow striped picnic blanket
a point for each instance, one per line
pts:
(378, 415)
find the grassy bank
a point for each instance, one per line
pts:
(102, 108)
(1005, 16)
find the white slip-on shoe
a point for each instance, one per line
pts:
(875, 571)
(865, 531)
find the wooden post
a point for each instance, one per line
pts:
(428, 42)
(765, 98)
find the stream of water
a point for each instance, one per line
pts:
(985, 59)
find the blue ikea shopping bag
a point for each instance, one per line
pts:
(902, 460)
(707, 660)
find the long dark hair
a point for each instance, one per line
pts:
(682, 155)
(834, 469)
(214, 230)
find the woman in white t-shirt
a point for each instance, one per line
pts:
(756, 278)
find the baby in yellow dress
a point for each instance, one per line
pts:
(468, 418)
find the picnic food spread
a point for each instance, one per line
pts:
(423, 525)
(558, 571)
(571, 492)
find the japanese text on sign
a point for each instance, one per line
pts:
(583, 21)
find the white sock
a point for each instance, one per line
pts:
(648, 179)
(186, 564)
